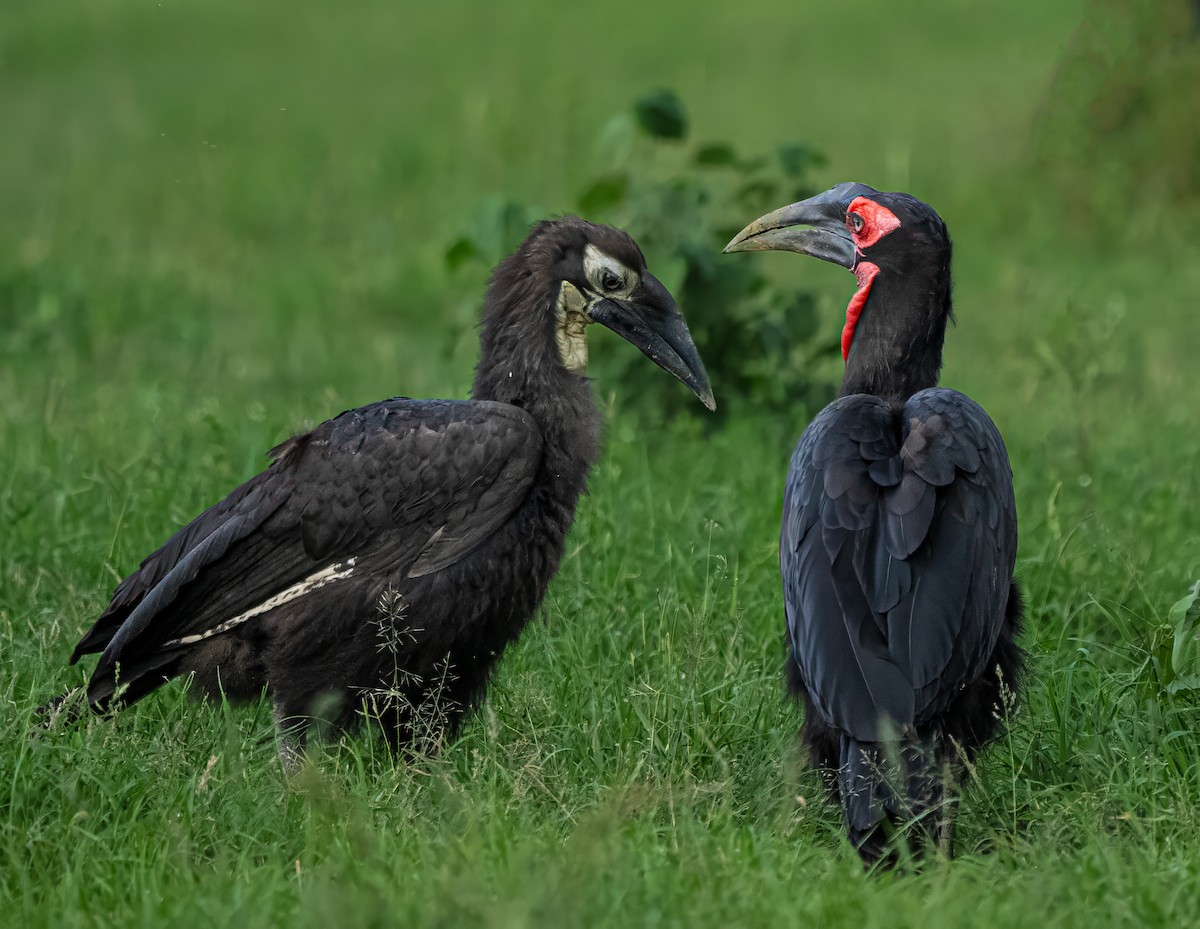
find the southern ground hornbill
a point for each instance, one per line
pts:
(899, 533)
(386, 558)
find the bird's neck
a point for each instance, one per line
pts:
(897, 345)
(519, 364)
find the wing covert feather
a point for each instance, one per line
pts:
(897, 550)
(415, 485)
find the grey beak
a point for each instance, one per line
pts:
(828, 238)
(651, 321)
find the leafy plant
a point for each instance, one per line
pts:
(1173, 661)
(682, 202)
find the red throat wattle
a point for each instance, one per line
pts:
(864, 273)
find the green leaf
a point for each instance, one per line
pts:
(757, 195)
(1182, 607)
(460, 252)
(604, 194)
(672, 274)
(774, 339)
(801, 317)
(661, 114)
(614, 144)
(513, 224)
(723, 234)
(1183, 616)
(750, 165)
(798, 160)
(716, 155)
(1185, 684)
(700, 259)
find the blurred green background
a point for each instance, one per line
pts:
(221, 222)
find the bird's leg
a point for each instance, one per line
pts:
(293, 735)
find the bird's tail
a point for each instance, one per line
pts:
(63, 711)
(893, 797)
(105, 693)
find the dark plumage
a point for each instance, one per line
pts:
(388, 556)
(899, 532)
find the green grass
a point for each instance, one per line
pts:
(223, 221)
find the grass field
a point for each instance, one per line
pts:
(221, 222)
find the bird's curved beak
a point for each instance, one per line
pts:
(650, 320)
(828, 239)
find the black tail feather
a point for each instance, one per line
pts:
(106, 693)
(892, 797)
(63, 711)
(132, 680)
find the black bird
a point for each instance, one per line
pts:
(386, 558)
(899, 532)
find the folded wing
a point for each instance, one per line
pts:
(415, 486)
(897, 551)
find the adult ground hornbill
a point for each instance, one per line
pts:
(899, 532)
(386, 558)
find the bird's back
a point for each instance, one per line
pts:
(897, 551)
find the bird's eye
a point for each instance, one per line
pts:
(610, 280)
(856, 221)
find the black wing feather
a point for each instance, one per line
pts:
(416, 484)
(897, 550)
(257, 496)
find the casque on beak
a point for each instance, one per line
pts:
(650, 320)
(828, 238)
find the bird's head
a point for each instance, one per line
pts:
(597, 274)
(858, 227)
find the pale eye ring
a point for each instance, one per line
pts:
(610, 280)
(856, 222)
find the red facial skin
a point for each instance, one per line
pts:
(878, 221)
(865, 273)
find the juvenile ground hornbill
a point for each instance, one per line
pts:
(899, 532)
(388, 556)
